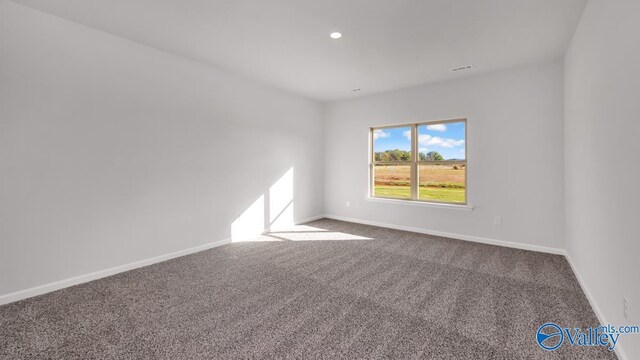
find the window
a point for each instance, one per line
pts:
(421, 162)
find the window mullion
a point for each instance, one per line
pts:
(414, 163)
(372, 166)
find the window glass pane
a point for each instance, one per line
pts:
(444, 183)
(392, 181)
(392, 144)
(444, 141)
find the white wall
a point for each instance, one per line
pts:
(602, 132)
(515, 161)
(113, 152)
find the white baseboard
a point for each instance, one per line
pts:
(309, 219)
(295, 222)
(477, 239)
(596, 309)
(43, 289)
(61, 284)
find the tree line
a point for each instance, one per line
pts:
(403, 155)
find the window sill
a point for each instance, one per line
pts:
(421, 203)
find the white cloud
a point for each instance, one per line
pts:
(437, 127)
(428, 140)
(423, 150)
(378, 134)
(446, 143)
(407, 134)
(423, 139)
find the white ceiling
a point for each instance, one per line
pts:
(386, 44)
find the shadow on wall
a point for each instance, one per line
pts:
(271, 211)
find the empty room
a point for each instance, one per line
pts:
(303, 179)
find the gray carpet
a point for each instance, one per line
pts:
(330, 289)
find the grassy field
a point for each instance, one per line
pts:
(426, 193)
(444, 183)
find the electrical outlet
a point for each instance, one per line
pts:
(625, 308)
(347, 204)
(497, 220)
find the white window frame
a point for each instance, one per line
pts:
(414, 162)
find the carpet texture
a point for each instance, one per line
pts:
(328, 289)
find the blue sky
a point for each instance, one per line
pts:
(447, 139)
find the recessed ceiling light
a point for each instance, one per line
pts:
(335, 35)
